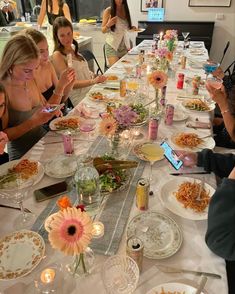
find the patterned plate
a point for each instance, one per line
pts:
(20, 253)
(174, 287)
(160, 234)
(137, 150)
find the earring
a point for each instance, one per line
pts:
(10, 71)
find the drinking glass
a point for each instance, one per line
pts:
(209, 67)
(212, 84)
(87, 126)
(185, 36)
(132, 87)
(17, 193)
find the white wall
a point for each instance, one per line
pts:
(224, 30)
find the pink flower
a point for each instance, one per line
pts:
(161, 52)
(125, 116)
(108, 126)
(158, 79)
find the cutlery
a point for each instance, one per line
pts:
(190, 173)
(169, 269)
(200, 189)
(17, 208)
(111, 88)
(201, 285)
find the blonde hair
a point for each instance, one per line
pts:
(35, 35)
(18, 50)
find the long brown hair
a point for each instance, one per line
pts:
(36, 35)
(62, 22)
(114, 12)
(2, 90)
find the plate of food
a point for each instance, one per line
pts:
(114, 174)
(141, 150)
(190, 141)
(97, 96)
(160, 234)
(180, 114)
(142, 112)
(174, 288)
(61, 166)
(112, 78)
(20, 253)
(65, 123)
(198, 105)
(181, 196)
(30, 171)
(197, 51)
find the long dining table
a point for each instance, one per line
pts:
(193, 253)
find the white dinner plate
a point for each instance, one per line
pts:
(211, 107)
(61, 166)
(169, 200)
(53, 123)
(208, 142)
(180, 114)
(172, 287)
(160, 234)
(33, 180)
(20, 253)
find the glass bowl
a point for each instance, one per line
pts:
(120, 274)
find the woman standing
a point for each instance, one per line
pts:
(66, 46)
(53, 9)
(116, 22)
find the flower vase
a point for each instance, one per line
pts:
(157, 100)
(115, 142)
(82, 264)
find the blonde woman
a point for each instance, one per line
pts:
(25, 113)
(53, 9)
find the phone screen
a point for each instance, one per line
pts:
(171, 156)
(50, 191)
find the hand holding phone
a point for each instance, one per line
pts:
(52, 108)
(171, 156)
(51, 191)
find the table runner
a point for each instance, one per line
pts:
(115, 210)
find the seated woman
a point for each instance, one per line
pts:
(64, 45)
(3, 137)
(45, 75)
(25, 112)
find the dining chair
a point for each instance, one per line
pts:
(88, 55)
(225, 50)
(106, 67)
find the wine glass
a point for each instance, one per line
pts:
(152, 152)
(213, 83)
(209, 67)
(87, 126)
(17, 190)
(185, 36)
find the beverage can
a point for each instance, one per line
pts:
(142, 194)
(169, 114)
(183, 61)
(180, 81)
(138, 71)
(153, 128)
(68, 143)
(141, 57)
(163, 96)
(135, 249)
(123, 87)
(70, 60)
(196, 84)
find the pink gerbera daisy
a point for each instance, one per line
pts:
(108, 126)
(158, 79)
(71, 231)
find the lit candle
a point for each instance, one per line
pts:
(126, 134)
(47, 275)
(148, 69)
(97, 230)
(136, 132)
(161, 35)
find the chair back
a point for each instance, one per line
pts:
(225, 50)
(88, 55)
(106, 67)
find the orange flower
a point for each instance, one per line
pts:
(64, 202)
(108, 126)
(169, 55)
(158, 79)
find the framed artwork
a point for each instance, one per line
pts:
(146, 4)
(209, 3)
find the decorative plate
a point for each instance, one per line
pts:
(61, 166)
(68, 123)
(10, 184)
(185, 103)
(160, 234)
(48, 221)
(20, 253)
(172, 287)
(169, 200)
(137, 150)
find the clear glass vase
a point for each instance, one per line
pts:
(82, 263)
(115, 144)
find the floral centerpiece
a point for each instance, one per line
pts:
(170, 37)
(164, 56)
(71, 232)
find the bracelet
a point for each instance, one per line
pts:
(225, 111)
(92, 82)
(54, 92)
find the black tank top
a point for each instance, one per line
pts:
(51, 16)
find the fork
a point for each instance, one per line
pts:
(17, 208)
(200, 189)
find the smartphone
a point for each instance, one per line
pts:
(51, 191)
(52, 108)
(171, 156)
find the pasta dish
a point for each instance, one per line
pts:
(97, 96)
(26, 168)
(190, 140)
(188, 195)
(197, 104)
(69, 123)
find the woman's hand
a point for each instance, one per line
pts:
(67, 77)
(3, 141)
(100, 79)
(217, 95)
(111, 21)
(189, 158)
(41, 116)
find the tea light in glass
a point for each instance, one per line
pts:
(98, 229)
(48, 280)
(126, 134)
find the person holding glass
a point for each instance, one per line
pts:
(116, 23)
(26, 108)
(66, 48)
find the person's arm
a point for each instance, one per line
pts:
(220, 236)
(67, 12)
(107, 21)
(42, 13)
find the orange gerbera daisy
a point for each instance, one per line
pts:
(158, 79)
(108, 126)
(169, 56)
(64, 202)
(71, 231)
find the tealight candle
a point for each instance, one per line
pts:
(161, 35)
(47, 275)
(136, 133)
(98, 229)
(126, 134)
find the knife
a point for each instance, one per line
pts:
(190, 173)
(169, 269)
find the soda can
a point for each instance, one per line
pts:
(135, 249)
(169, 114)
(141, 57)
(196, 84)
(153, 128)
(183, 61)
(142, 194)
(68, 143)
(138, 71)
(180, 81)
(123, 87)
(163, 96)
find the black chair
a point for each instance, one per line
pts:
(88, 55)
(106, 67)
(225, 50)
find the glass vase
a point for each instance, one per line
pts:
(115, 144)
(82, 263)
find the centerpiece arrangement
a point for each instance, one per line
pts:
(171, 36)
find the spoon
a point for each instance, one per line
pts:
(201, 285)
